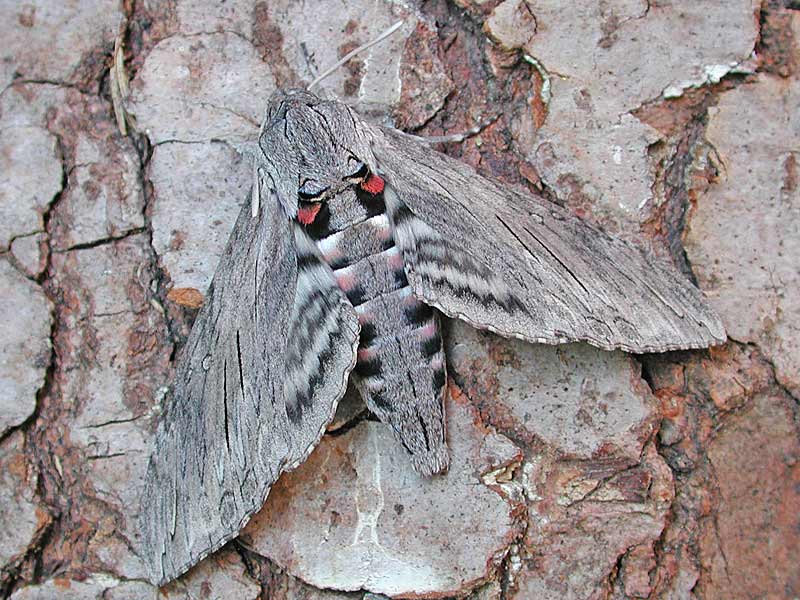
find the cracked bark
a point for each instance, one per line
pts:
(701, 411)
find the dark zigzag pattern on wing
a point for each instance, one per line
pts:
(313, 319)
(308, 311)
(311, 311)
(303, 396)
(434, 265)
(432, 254)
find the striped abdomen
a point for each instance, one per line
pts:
(400, 364)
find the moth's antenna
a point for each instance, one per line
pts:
(352, 53)
(454, 137)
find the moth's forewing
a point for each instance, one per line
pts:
(523, 267)
(256, 385)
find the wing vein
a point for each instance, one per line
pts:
(560, 262)
(225, 404)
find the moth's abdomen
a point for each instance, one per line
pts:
(400, 345)
(400, 362)
(368, 267)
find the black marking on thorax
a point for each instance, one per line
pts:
(348, 208)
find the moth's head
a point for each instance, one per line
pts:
(314, 148)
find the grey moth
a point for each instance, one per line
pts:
(357, 240)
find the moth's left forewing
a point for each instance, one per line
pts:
(205, 477)
(259, 379)
(523, 267)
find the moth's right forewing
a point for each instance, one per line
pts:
(228, 433)
(524, 267)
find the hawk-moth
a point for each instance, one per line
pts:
(358, 239)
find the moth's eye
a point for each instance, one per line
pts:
(358, 169)
(311, 189)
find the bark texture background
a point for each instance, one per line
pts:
(576, 473)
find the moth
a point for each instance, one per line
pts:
(357, 240)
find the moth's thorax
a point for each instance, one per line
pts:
(400, 345)
(312, 148)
